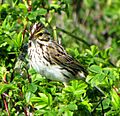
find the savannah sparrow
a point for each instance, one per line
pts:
(50, 59)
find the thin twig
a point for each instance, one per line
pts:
(75, 37)
(25, 111)
(29, 5)
(101, 99)
(28, 76)
(5, 104)
(102, 107)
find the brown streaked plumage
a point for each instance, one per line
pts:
(50, 59)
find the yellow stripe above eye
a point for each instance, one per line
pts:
(39, 32)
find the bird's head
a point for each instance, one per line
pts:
(38, 31)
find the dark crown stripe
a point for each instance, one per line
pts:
(36, 27)
(39, 26)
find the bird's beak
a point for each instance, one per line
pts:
(31, 36)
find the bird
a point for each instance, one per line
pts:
(50, 59)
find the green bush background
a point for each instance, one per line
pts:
(89, 30)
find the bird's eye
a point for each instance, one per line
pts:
(30, 44)
(40, 34)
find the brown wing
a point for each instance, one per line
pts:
(59, 56)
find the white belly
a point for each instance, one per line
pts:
(52, 72)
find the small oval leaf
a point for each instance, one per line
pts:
(95, 69)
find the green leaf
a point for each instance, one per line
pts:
(43, 97)
(3, 70)
(23, 7)
(106, 103)
(35, 99)
(95, 79)
(69, 89)
(17, 40)
(72, 106)
(41, 11)
(49, 99)
(100, 77)
(68, 113)
(39, 112)
(3, 44)
(35, 76)
(74, 84)
(82, 85)
(86, 104)
(94, 50)
(34, 14)
(5, 87)
(42, 19)
(106, 53)
(115, 99)
(32, 87)
(50, 113)
(28, 96)
(40, 105)
(56, 6)
(40, 102)
(79, 92)
(18, 103)
(95, 69)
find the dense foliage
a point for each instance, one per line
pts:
(90, 32)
